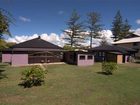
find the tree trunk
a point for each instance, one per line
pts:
(71, 44)
(91, 42)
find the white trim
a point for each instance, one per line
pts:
(128, 40)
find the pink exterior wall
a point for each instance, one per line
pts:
(126, 59)
(19, 59)
(86, 62)
(6, 58)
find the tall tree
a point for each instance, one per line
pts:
(75, 30)
(126, 29)
(117, 26)
(93, 26)
(5, 21)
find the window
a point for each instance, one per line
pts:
(90, 57)
(82, 57)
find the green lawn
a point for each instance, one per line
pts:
(72, 85)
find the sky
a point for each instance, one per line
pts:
(49, 17)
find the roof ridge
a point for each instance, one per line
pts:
(36, 43)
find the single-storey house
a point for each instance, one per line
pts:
(112, 53)
(32, 51)
(79, 58)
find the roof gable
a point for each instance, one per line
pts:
(36, 43)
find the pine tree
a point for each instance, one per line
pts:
(74, 30)
(126, 29)
(117, 26)
(93, 26)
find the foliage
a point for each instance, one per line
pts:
(117, 26)
(109, 67)
(126, 29)
(94, 26)
(75, 30)
(120, 29)
(69, 48)
(4, 44)
(33, 76)
(10, 44)
(5, 21)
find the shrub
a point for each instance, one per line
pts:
(33, 76)
(109, 67)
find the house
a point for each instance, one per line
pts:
(131, 42)
(32, 51)
(133, 35)
(112, 53)
(79, 58)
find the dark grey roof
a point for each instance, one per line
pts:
(133, 35)
(36, 43)
(113, 48)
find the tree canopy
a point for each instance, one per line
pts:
(126, 29)
(120, 28)
(75, 30)
(5, 21)
(117, 26)
(94, 26)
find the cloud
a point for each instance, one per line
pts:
(59, 39)
(138, 21)
(24, 19)
(107, 34)
(60, 12)
(137, 31)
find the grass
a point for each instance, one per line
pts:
(72, 85)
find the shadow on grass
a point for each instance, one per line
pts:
(29, 84)
(2, 66)
(104, 73)
(137, 62)
(70, 63)
(2, 75)
(24, 85)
